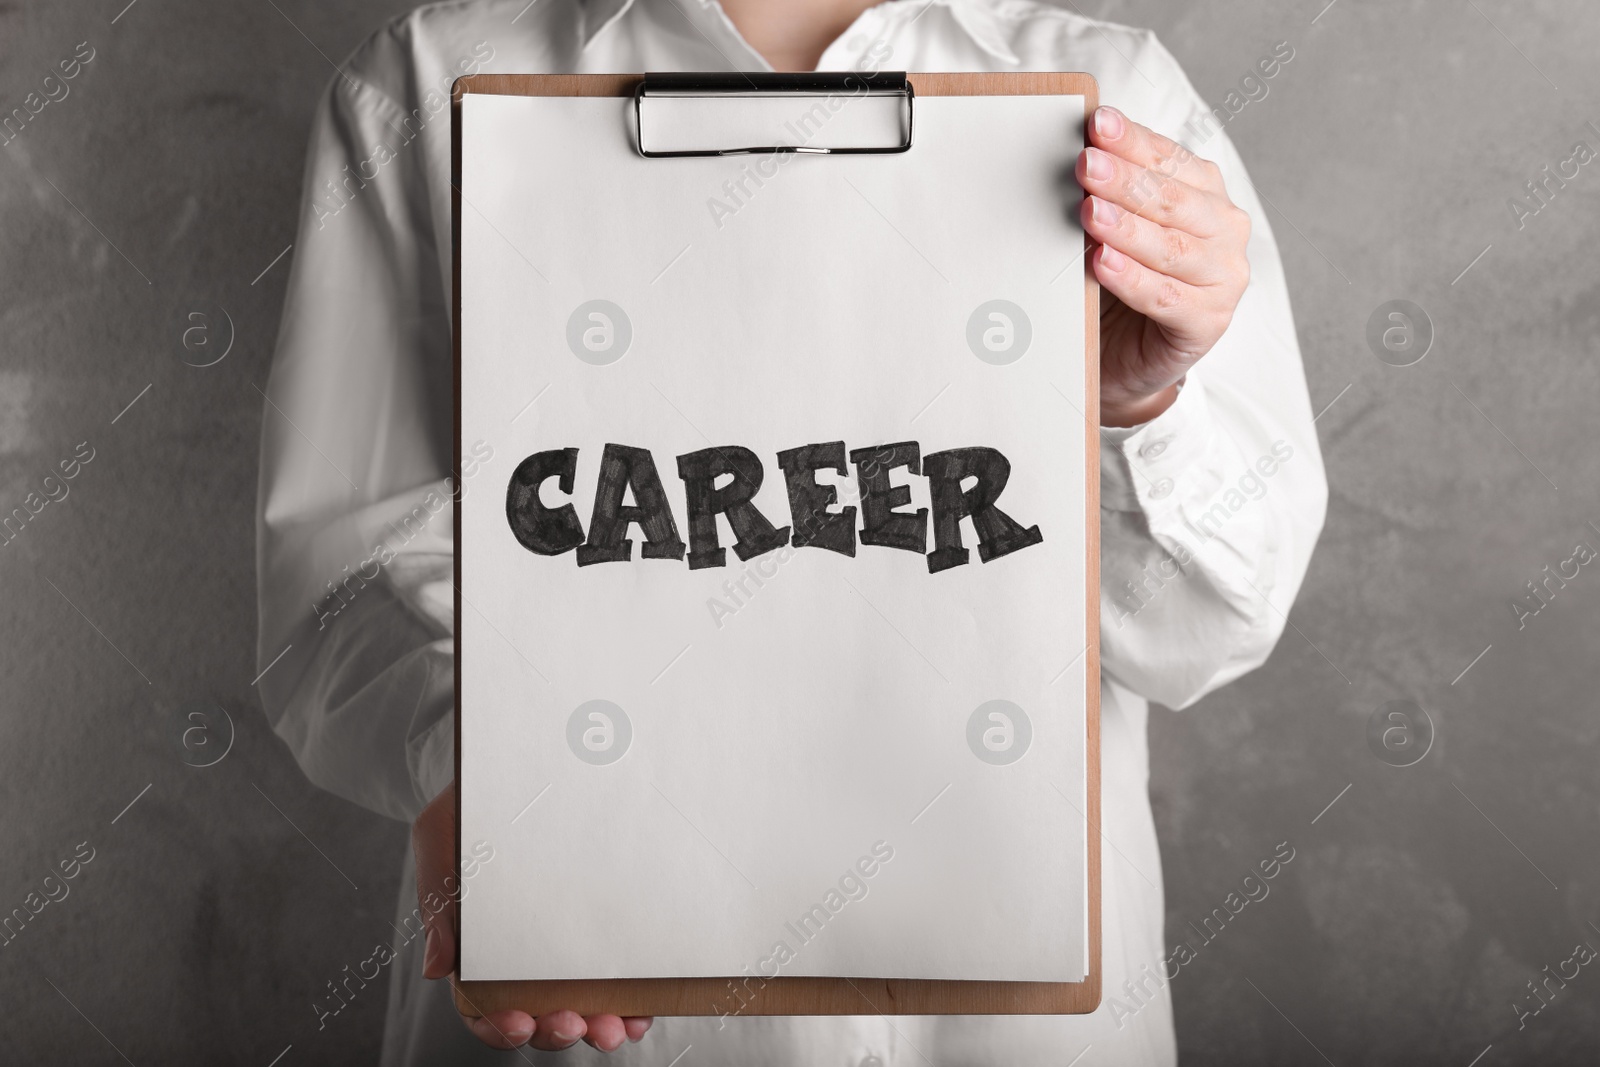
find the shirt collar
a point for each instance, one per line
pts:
(984, 26)
(976, 17)
(598, 14)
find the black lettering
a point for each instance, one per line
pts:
(880, 523)
(998, 533)
(547, 531)
(753, 534)
(622, 467)
(814, 524)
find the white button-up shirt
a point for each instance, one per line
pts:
(1209, 513)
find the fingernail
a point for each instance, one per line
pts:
(1108, 123)
(1111, 259)
(1105, 212)
(1098, 165)
(430, 954)
(517, 1037)
(564, 1037)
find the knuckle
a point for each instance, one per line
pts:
(1178, 159)
(1241, 221)
(1169, 297)
(1169, 199)
(1177, 247)
(1135, 187)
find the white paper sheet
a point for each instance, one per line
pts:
(797, 720)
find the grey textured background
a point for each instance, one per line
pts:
(1418, 905)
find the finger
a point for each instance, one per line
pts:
(502, 1029)
(558, 1030)
(1113, 131)
(605, 1032)
(636, 1026)
(1190, 317)
(1154, 196)
(1169, 251)
(433, 844)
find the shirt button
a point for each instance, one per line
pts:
(1161, 489)
(1154, 448)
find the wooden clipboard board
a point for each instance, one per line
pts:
(804, 995)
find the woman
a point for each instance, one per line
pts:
(1203, 403)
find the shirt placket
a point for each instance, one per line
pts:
(853, 49)
(707, 17)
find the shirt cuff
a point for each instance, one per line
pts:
(1153, 467)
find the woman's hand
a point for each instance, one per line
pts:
(1171, 262)
(433, 842)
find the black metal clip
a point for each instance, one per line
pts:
(755, 84)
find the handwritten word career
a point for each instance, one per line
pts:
(552, 531)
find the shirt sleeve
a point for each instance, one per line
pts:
(354, 515)
(1209, 512)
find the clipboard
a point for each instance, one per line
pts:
(806, 994)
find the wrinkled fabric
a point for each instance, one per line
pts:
(1209, 512)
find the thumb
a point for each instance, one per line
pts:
(433, 844)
